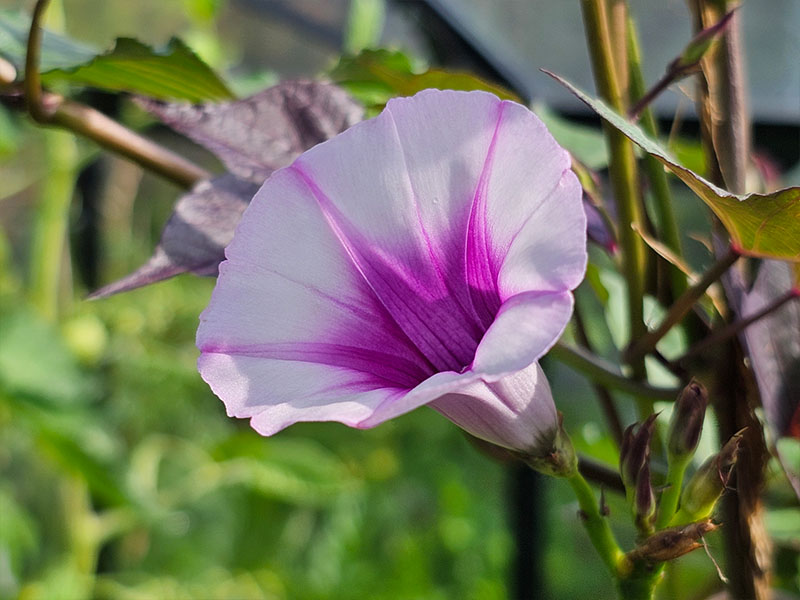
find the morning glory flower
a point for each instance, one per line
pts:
(423, 257)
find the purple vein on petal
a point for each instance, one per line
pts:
(435, 351)
(472, 319)
(391, 370)
(480, 268)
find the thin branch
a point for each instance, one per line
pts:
(599, 473)
(659, 184)
(607, 374)
(33, 81)
(681, 306)
(725, 333)
(51, 109)
(686, 64)
(647, 98)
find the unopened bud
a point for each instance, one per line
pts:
(686, 423)
(707, 484)
(635, 451)
(671, 543)
(644, 500)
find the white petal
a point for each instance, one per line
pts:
(526, 327)
(516, 412)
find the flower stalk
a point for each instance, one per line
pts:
(597, 526)
(607, 374)
(685, 428)
(654, 170)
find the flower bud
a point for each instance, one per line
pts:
(644, 500)
(707, 484)
(686, 423)
(635, 451)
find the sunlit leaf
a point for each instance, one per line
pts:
(171, 73)
(374, 76)
(761, 225)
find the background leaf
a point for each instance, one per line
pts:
(195, 235)
(253, 137)
(58, 51)
(174, 72)
(773, 344)
(762, 225)
(374, 76)
(267, 131)
(171, 73)
(36, 364)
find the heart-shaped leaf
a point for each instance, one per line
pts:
(761, 225)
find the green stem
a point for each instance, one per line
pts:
(669, 498)
(597, 526)
(49, 241)
(51, 109)
(639, 588)
(682, 306)
(659, 184)
(607, 374)
(622, 169)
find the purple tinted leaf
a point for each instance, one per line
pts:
(773, 343)
(264, 132)
(195, 236)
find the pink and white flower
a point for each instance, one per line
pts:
(423, 257)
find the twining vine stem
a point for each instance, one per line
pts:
(52, 109)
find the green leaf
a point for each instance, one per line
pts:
(57, 51)
(36, 364)
(760, 225)
(374, 76)
(171, 73)
(297, 470)
(74, 444)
